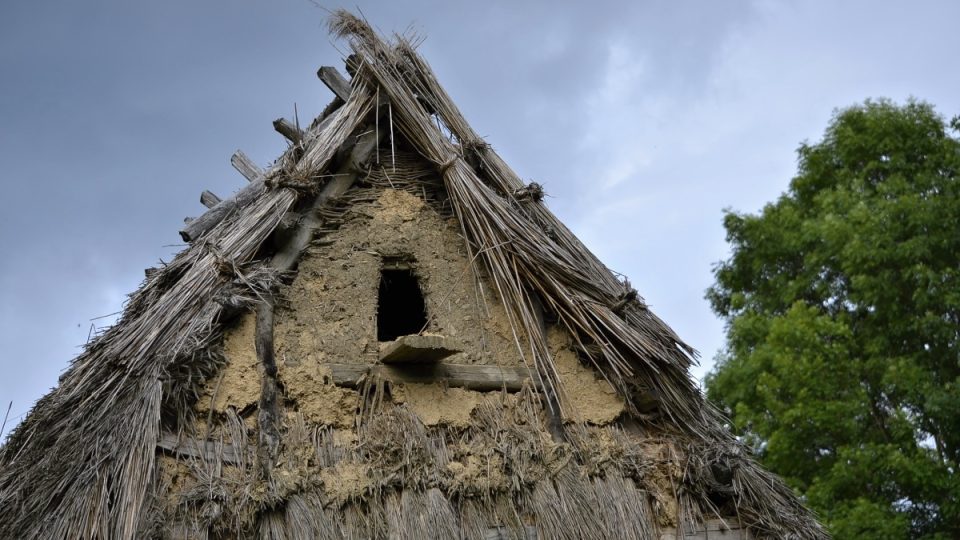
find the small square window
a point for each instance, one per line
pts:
(400, 307)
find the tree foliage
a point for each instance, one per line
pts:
(842, 303)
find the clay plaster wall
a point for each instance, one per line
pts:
(329, 316)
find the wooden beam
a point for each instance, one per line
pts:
(287, 257)
(197, 227)
(554, 412)
(415, 349)
(209, 199)
(288, 130)
(270, 413)
(208, 450)
(471, 377)
(245, 166)
(245, 196)
(334, 81)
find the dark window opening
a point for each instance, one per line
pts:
(400, 308)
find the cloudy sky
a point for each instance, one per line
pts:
(643, 119)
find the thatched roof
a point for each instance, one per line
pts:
(83, 463)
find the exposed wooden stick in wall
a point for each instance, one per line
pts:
(268, 417)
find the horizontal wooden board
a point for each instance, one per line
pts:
(208, 451)
(416, 349)
(472, 377)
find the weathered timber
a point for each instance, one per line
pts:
(197, 227)
(245, 196)
(712, 529)
(286, 257)
(334, 81)
(288, 130)
(268, 416)
(206, 450)
(471, 377)
(415, 349)
(245, 166)
(554, 411)
(209, 199)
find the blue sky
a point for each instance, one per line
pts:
(643, 120)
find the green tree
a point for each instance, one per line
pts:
(842, 305)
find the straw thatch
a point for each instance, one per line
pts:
(84, 463)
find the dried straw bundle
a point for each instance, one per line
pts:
(79, 466)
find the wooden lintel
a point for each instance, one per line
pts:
(416, 349)
(335, 81)
(270, 408)
(208, 450)
(390, 263)
(209, 199)
(471, 377)
(288, 130)
(246, 166)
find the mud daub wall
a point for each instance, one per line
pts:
(472, 464)
(331, 316)
(329, 313)
(471, 460)
(392, 476)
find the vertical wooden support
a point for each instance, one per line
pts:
(286, 258)
(554, 418)
(268, 418)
